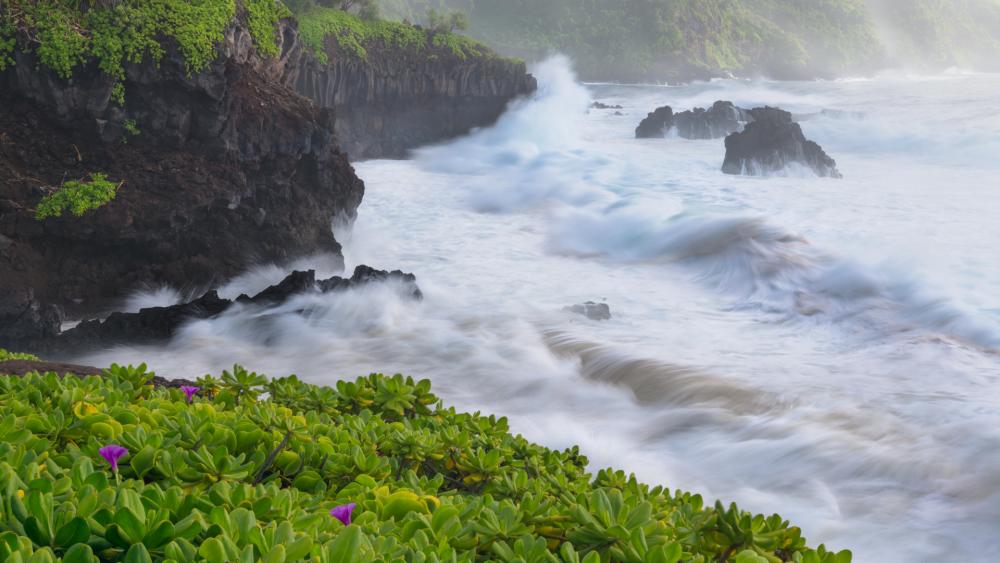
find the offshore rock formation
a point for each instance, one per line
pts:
(158, 324)
(656, 124)
(394, 100)
(221, 170)
(770, 143)
(716, 122)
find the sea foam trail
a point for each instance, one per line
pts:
(536, 158)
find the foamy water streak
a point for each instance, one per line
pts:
(823, 349)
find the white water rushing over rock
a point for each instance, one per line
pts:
(826, 349)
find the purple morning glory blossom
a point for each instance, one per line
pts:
(190, 391)
(343, 513)
(112, 453)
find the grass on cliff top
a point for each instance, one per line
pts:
(240, 468)
(356, 36)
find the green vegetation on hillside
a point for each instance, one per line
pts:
(661, 39)
(112, 469)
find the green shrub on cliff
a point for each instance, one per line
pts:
(5, 355)
(262, 18)
(78, 197)
(356, 35)
(111, 469)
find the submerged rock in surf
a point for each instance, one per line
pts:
(772, 142)
(157, 324)
(591, 310)
(599, 105)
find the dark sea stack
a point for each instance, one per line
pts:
(396, 99)
(716, 122)
(656, 124)
(155, 325)
(225, 168)
(770, 143)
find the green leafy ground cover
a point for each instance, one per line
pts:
(250, 469)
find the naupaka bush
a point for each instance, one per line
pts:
(240, 468)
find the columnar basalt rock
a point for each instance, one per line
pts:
(394, 100)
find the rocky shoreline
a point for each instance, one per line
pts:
(241, 163)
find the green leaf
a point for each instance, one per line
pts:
(160, 535)
(132, 529)
(34, 531)
(138, 554)
(143, 461)
(80, 553)
(75, 531)
(350, 546)
(212, 550)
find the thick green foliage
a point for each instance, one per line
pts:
(77, 197)
(234, 476)
(356, 36)
(65, 36)
(5, 355)
(262, 17)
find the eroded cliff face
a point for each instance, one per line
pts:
(394, 100)
(229, 168)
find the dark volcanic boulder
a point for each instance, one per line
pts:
(158, 324)
(770, 143)
(716, 122)
(656, 124)
(219, 170)
(24, 319)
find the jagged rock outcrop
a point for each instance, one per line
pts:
(656, 123)
(772, 142)
(397, 99)
(716, 122)
(229, 168)
(157, 324)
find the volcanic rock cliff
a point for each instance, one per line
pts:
(392, 100)
(219, 170)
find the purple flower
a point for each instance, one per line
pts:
(112, 453)
(190, 391)
(343, 513)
